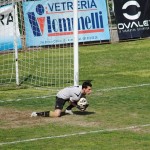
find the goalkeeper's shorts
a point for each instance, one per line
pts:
(60, 103)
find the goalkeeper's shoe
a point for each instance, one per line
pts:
(34, 114)
(68, 112)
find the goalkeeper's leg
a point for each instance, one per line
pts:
(69, 109)
(71, 106)
(55, 113)
(43, 114)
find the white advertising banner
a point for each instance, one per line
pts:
(7, 28)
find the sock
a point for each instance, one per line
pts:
(43, 114)
(69, 107)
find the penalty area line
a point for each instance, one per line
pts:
(76, 134)
(17, 100)
(123, 87)
(99, 90)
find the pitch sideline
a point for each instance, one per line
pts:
(75, 134)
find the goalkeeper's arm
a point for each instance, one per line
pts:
(74, 103)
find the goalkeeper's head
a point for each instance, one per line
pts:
(86, 88)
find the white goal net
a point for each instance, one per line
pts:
(26, 54)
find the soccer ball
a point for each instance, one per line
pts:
(82, 102)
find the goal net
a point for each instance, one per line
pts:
(31, 53)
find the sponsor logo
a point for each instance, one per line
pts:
(131, 3)
(77, 94)
(5, 19)
(133, 24)
(50, 18)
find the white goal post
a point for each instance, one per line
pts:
(76, 51)
(53, 62)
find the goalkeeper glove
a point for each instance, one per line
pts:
(86, 106)
(80, 108)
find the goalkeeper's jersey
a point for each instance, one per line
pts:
(72, 93)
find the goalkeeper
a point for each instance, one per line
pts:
(70, 94)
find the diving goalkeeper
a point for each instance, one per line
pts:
(69, 94)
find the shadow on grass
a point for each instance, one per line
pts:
(83, 113)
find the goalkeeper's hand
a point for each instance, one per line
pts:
(83, 108)
(86, 106)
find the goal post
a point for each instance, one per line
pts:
(76, 50)
(50, 62)
(15, 40)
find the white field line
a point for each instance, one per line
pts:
(75, 134)
(99, 90)
(123, 87)
(38, 97)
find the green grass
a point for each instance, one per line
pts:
(110, 67)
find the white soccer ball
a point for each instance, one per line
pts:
(82, 102)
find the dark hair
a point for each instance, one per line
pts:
(86, 84)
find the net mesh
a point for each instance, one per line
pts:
(43, 65)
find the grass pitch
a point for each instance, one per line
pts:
(117, 118)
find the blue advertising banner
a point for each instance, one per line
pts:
(50, 22)
(7, 28)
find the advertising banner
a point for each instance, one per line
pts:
(7, 28)
(133, 18)
(50, 22)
